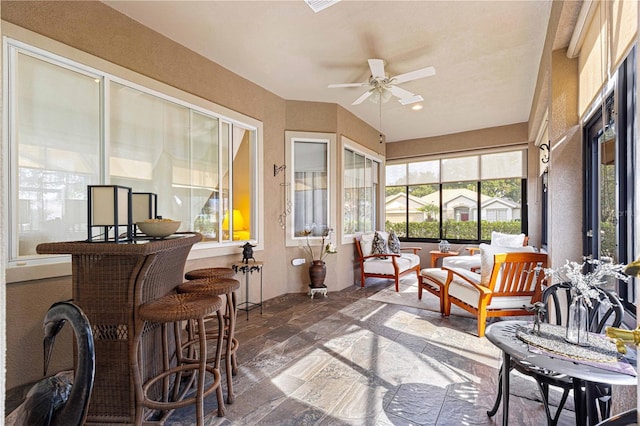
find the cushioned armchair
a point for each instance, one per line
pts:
(509, 282)
(385, 265)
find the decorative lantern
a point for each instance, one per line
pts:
(109, 207)
(144, 205)
(444, 246)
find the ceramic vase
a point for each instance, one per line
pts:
(317, 272)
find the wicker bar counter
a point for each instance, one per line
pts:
(110, 280)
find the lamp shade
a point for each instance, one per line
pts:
(109, 207)
(144, 206)
(238, 221)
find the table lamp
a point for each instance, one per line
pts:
(109, 208)
(144, 206)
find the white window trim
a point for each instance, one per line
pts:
(374, 156)
(60, 265)
(330, 140)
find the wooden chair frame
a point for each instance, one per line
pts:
(397, 272)
(520, 274)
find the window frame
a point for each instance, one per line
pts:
(441, 182)
(19, 40)
(377, 205)
(291, 137)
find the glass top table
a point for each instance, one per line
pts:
(503, 335)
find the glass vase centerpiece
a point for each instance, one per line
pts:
(444, 246)
(317, 267)
(586, 280)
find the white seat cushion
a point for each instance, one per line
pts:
(464, 262)
(384, 266)
(434, 277)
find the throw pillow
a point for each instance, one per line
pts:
(394, 242)
(488, 251)
(366, 243)
(506, 240)
(379, 245)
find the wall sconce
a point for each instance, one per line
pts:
(144, 205)
(109, 207)
(277, 169)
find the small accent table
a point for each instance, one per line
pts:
(503, 334)
(437, 254)
(246, 269)
(319, 290)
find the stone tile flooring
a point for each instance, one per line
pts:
(347, 360)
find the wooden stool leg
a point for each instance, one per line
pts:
(217, 361)
(201, 373)
(229, 353)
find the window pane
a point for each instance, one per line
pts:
(424, 172)
(424, 211)
(503, 165)
(396, 210)
(396, 174)
(460, 211)
(501, 207)
(460, 169)
(205, 193)
(349, 217)
(241, 184)
(57, 135)
(150, 150)
(310, 190)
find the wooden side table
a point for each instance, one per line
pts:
(437, 254)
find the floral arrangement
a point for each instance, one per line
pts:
(587, 285)
(325, 249)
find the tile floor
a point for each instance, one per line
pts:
(347, 360)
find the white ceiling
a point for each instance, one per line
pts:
(486, 53)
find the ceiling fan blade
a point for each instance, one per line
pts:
(333, 86)
(414, 75)
(377, 68)
(400, 93)
(362, 98)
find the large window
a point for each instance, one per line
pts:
(360, 183)
(461, 198)
(70, 126)
(309, 165)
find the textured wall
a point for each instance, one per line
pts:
(96, 29)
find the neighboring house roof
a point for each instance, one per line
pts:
(449, 195)
(398, 203)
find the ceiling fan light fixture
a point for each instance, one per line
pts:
(380, 96)
(417, 107)
(411, 100)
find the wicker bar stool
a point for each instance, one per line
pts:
(218, 287)
(176, 308)
(209, 273)
(217, 273)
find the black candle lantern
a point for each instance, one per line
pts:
(109, 208)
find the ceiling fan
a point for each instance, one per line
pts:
(382, 87)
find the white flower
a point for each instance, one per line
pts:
(587, 285)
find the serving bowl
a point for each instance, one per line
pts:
(159, 228)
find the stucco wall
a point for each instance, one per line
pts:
(100, 31)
